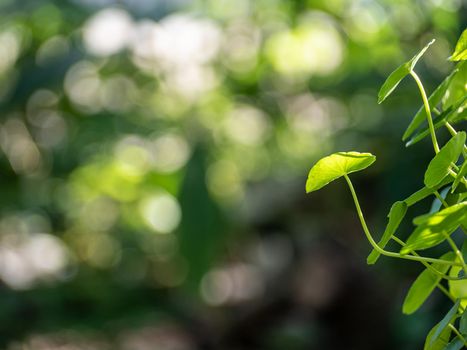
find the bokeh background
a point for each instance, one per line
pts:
(153, 157)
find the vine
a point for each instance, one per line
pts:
(444, 180)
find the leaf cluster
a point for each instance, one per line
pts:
(444, 181)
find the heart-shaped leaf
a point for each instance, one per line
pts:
(425, 284)
(335, 166)
(398, 74)
(440, 165)
(396, 214)
(460, 52)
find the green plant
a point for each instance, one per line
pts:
(444, 179)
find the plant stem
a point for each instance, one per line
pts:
(377, 247)
(429, 266)
(454, 329)
(453, 132)
(453, 173)
(427, 110)
(441, 199)
(446, 292)
(449, 239)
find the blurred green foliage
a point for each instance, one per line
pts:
(153, 155)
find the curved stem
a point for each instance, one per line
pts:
(461, 337)
(453, 132)
(441, 199)
(427, 110)
(446, 292)
(453, 173)
(429, 266)
(449, 239)
(378, 248)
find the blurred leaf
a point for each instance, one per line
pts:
(440, 165)
(458, 288)
(400, 73)
(455, 344)
(396, 214)
(443, 324)
(424, 285)
(335, 166)
(440, 342)
(201, 230)
(462, 172)
(460, 52)
(463, 323)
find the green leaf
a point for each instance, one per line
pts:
(400, 73)
(441, 342)
(440, 165)
(455, 344)
(462, 172)
(454, 114)
(457, 87)
(433, 100)
(463, 323)
(457, 288)
(453, 215)
(392, 81)
(434, 228)
(335, 166)
(396, 214)
(464, 250)
(444, 322)
(424, 285)
(460, 52)
(425, 191)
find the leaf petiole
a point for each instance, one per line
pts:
(427, 110)
(378, 248)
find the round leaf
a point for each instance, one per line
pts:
(335, 166)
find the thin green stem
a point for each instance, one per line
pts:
(427, 265)
(441, 199)
(454, 329)
(453, 132)
(449, 239)
(427, 110)
(453, 173)
(446, 292)
(457, 252)
(378, 248)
